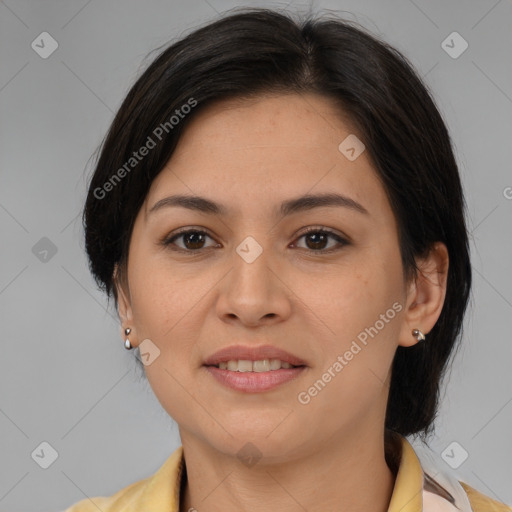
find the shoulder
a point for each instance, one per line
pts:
(118, 501)
(482, 503)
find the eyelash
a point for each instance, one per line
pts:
(169, 240)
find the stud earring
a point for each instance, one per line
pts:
(127, 344)
(418, 335)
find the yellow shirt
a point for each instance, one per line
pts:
(412, 492)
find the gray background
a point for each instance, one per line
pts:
(65, 377)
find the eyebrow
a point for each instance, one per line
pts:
(288, 207)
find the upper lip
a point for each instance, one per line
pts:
(237, 352)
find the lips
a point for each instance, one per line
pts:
(242, 352)
(273, 367)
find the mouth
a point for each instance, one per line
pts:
(253, 369)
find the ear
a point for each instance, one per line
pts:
(123, 300)
(426, 294)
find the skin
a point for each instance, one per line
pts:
(250, 156)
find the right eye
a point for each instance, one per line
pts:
(192, 239)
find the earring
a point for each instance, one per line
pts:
(127, 344)
(418, 335)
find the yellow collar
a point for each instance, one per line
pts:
(407, 493)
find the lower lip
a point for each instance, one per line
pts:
(255, 382)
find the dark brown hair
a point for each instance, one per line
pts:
(260, 51)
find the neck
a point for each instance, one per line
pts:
(349, 473)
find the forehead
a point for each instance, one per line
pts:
(288, 120)
(260, 151)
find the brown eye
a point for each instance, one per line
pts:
(317, 239)
(193, 240)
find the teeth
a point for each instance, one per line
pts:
(275, 364)
(244, 365)
(261, 366)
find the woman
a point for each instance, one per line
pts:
(278, 214)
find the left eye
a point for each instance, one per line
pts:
(317, 239)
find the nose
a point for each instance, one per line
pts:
(254, 292)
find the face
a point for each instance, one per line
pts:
(334, 297)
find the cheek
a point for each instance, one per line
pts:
(163, 294)
(357, 307)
